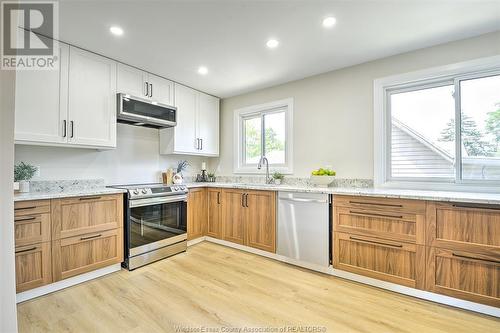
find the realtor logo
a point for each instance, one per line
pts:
(26, 26)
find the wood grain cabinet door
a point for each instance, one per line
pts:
(467, 227)
(82, 215)
(197, 213)
(76, 255)
(214, 226)
(33, 266)
(471, 276)
(32, 222)
(233, 229)
(260, 220)
(382, 259)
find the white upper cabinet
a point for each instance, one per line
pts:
(207, 123)
(132, 81)
(144, 85)
(92, 99)
(197, 130)
(41, 103)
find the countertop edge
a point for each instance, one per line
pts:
(56, 195)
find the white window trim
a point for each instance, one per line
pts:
(238, 166)
(381, 121)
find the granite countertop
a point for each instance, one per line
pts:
(65, 194)
(470, 197)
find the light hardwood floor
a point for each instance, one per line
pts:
(215, 286)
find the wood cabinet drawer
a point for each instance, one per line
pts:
(76, 255)
(407, 227)
(31, 229)
(379, 258)
(33, 266)
(465, 275)
(385, 204)
(467, 227)
(83, 215)
(31, 207)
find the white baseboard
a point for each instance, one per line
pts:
(455, 302)
(50, 288)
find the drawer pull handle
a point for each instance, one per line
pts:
(90, 198)
(375, 242)
(479, 206)
(90, 237)
(375, 204)
(29, 218)
(24, 208)
(375, 214)
(26, 250)
(473, 258)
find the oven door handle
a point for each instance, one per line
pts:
(156, 201)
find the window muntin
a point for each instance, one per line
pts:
(422, 125)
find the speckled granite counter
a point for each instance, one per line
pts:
(471, 197)
(67, 194)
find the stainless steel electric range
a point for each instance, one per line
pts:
(155, 222)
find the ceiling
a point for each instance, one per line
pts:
(174, 38)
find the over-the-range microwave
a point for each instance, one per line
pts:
(142, 112)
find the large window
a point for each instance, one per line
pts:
(264, 130)
(443, 130)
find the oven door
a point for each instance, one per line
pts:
(156, 222)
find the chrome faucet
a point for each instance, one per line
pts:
(262, 160)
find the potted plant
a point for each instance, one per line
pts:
(278, 177)
(181, 166)
(211, 176)
(23, 173)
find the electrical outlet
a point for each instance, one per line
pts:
(37, 173)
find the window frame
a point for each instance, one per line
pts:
(430, 78)
(240, 115)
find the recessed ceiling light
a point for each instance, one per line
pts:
(117, 31)
(202, 70)
(272, 43)
(329, 22)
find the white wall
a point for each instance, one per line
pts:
(333, 112)
(135, 160)
(8, 317)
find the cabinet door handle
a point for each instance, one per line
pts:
(26, 250)
(90, 237)
(90, 198)
(151, 90)
(375, 242)
(24, 208)
(474, 258)
(28, 218)
(374, 204)
(479, 206)
(201, 146)
(243, 200)
(72, 126)
(64, 128)
(246, 200)
(375, 214)
(146, 93)
(218, 198)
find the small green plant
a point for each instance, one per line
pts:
(278, 175)
(24, 171)
(182, 165)
(211, 174)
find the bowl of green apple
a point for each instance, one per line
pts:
(322, 177)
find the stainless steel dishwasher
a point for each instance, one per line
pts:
(304, 227)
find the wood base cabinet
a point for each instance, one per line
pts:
(196, 213)
(214, 221)
(249, 218)
(465, 275)
(382, 259)
(33, 266)
(76, 255)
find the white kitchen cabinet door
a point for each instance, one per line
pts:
(207, 124)
(41, 103)
(132, 81)
(161, 90)
(181, 139)
(92, 100)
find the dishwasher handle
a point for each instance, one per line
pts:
(304, 200)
